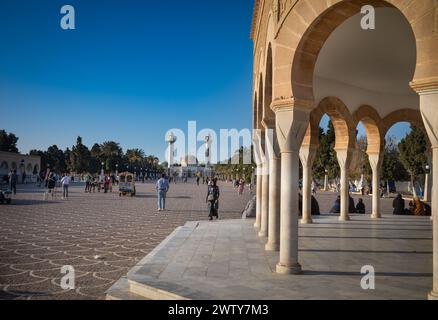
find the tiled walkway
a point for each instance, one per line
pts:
(101, 235)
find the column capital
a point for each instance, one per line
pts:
(425, 86)
(292, 120)
(290, 103)
(308, 154)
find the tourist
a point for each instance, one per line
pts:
(197, 180)
(51, 184)
(213, 199)
(23, 178)
(360, 207)
(241, 187)
(13, 179)
(336, 206)
(162, 188)
(399, 205)
(87, 183)
(65, 181)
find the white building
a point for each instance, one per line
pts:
(30, 165)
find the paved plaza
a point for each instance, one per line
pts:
(101, 235)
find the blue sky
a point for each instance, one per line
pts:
(130, 71)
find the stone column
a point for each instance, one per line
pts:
(291, 122)
(428, 91)
(265, 199)
(376, 160)
(259, 171)
(344, 159)
(307, 156)
(273, 151)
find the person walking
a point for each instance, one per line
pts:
(213, 194)
(13, 179)
(65, 181)
(162, 188)
(241, 187)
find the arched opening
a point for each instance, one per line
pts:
(14, 166)
(407, 159)
(36, 169)
(268, 114)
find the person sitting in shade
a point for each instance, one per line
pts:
(336, 206)
(351, 206)
(360, 207)
(418, 207)
(399, 205)
(314, 206)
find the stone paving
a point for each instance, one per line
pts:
(226, 260)
(101, 235)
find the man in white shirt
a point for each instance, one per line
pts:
(162, 187)
(65, 181)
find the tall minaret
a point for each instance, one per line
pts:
(171, 139)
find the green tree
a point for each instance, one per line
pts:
(111, 154)
(413, 153)
(8, 142)
(80, 157)
(392, 167)
(325, 158)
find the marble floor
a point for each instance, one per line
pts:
(226, 260)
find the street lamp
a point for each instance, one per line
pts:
(117, 169)
(102, 171)
(426, 196)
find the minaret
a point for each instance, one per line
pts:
(171, 139)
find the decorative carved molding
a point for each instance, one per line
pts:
(289, 103)
(425, 85)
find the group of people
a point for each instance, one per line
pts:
(104, 183)
(11, 180)
(352, 207)
(416, 207)
(162, 187)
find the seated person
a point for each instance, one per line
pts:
(418, 207)
(314, 206)
(337, 206)
(360, 207)
(427, 210)
(351, 206)
(399, 205)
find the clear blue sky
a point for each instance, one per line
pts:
(130, 71)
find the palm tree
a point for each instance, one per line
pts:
(111, 154)
(135, 156)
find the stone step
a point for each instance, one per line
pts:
(120, 291)
(152, 293)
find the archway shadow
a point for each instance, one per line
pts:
(378, 274)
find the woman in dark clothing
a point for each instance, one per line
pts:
(399, 205)
(360, 207)
(213, 199)
(314, 206)
(337, 206)
(351, 206)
